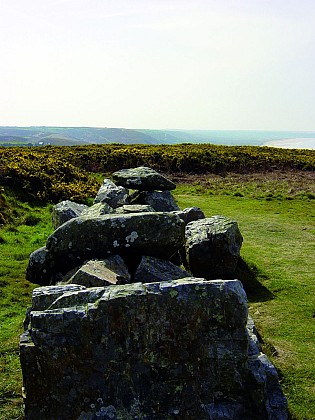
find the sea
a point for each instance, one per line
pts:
(282, 139)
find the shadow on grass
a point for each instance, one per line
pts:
(249, 275)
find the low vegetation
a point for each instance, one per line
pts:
(273, 206)
(26, 229)
(55, 173)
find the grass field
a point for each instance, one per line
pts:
(279, 244)
(17, 240)
(277, 219)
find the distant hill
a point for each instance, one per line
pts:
(69, 136)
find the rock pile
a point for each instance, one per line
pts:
(152, 225)
(124, 331)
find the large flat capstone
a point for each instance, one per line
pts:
(169, 350)
(82, 238)
(142, 178)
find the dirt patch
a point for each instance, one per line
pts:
(282, 184)
(303, 178)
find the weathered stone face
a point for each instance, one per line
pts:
(156, 234)
(97, 273)
(212, 247)
(142, 179)
(134, 208)
(64, 211)
(158, 200)
(43, 297)
(153, 269)
(190, 214)
(41, 267)
(153, 351)
(111, 194)
(98, 209)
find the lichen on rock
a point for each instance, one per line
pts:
(128, 333)
(173, 347)
(212, 247)
(143, 179)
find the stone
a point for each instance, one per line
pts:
(142, 179)
(153, 269)
(174, 349)
(190, 214)
(158, 200)
(212, 247)
(115, 196)
(98, 209)
(41, 267)
(254, 347)
(78, 299)
(43, 297)
(134, 208)
(262, 371)
(64, 211)
(66, 275)
(96, 273)
(130, 335)
(80, 239)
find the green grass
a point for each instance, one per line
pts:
(279, 246)
(279, 241)
(27, 232)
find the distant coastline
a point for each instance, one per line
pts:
(296, 143)
(71, 136)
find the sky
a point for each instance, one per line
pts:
(163, 64)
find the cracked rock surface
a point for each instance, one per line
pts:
(122, 331)
(166, 350)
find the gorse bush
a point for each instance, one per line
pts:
(195, 158)
(65, 172)
(45, 175)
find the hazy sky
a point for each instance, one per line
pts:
(199, 64)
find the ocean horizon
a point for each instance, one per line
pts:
(282, 139)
